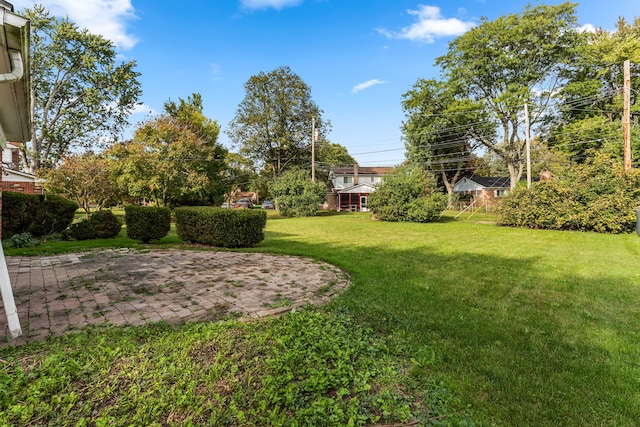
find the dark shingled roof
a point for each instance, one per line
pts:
(363, 170)
(491, 182)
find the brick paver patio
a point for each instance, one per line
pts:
(59, 294)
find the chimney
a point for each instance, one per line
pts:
(15, 160)
(355, 174)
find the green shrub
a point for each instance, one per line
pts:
(54, 215)
(229, 228)
(18, 212)
(296, 195)
(39, 215)
(100, 225)
(546, 205)
(595, 196)
(427, 209)
(21, 240)
(147, 223)
(407, 195)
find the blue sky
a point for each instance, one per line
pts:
(359, 57)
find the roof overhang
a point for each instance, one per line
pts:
(15, 113)
(358, 188)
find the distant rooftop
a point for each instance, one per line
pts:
(363, 170)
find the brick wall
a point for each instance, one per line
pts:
(21, 187)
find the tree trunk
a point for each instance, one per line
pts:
(449, 186)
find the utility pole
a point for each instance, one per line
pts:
(313, 149)
(527, 139)
(626, 115)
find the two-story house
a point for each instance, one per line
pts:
(351, 186)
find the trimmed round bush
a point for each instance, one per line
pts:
(147, 223)
(100, 225)
(228, 228)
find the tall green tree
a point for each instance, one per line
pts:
(590, 106)
(330, 154)
(504, 63)
(175, 158)
(440, 129)
(273, 123)
(80, 94)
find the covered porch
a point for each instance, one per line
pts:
(354, 198)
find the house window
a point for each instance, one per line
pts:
(500, 193)
(348, 180)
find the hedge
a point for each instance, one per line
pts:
(147, 223)
(228, 228)
(595, 196)
(100, 225)
(39, 215)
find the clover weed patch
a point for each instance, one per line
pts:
(307, 368)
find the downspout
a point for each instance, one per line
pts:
(16, 65)
(12, 77)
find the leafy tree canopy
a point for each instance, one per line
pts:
(590, 104)
(440, 129)
(504, 63)
(273, 123)
(81, 96)
(85, 179)
(174, 158)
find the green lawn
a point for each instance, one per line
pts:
(459, 318)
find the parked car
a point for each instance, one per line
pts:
(244, 203)
(268, 204)
(224, 205)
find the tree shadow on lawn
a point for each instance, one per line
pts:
(522, 344)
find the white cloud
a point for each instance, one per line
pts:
(587, 28)
(362, 86)
(265, 4)
(143, 109)
(108, 18)
(431, 24)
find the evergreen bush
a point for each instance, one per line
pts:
(100, 225)
(147, 223)
(40, 215)
(18, 212)
(228, 228)
(54, 215)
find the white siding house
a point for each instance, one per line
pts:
(351, 187)
(483, 190)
